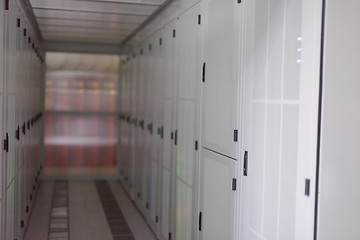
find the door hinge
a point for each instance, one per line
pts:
(199, 19)
(169, 235)
(24, 32)
(245, 169)
(200, 221)
(150, 128)
(174, 33)
(203, 72)
(196, 145)
(134, 122)
(307, 187)
(17, 134)
(235, 135)
(18, 22)
(6, 143)
(234, 184)
(7, 4)
(24, 128)
(162, 132)
(141, 124)
(172, 135)
(175, 137)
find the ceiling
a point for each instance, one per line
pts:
(92, 21)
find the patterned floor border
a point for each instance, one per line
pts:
(59, 215)
(117, 223)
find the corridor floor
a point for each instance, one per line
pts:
(85, 210)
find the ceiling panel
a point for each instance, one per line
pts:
(81, 37)
(87, 26)
(107, 32)
(92, 20)
(67, 5)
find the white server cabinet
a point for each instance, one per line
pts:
(168, 161)
(339, 194)
(2, 117)
(217, 198)
(11, 79)
(146, 78)
(134, 123)
(19, 208)
(188, 98)
(140, 129)
(126, 124)
(157, 119)
(120, 114)
(149, 125)
(274, 167)
(20, 79)
(220, 96)
(121, 119)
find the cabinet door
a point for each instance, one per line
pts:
(2, 113)
(134, 124)
(168, 161)
(189, 80)
(271, 117)
(220, 97)
(217, 204)
(139, 158)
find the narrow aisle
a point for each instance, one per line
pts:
(87, 218)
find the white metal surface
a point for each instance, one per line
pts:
(339, 194)
(221, 86)
(188, 117)
(168, 164)
(2, 115)
(217, 200)
(91, 21)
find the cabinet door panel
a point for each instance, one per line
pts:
(221, 86)
(271, 120)
(217, 197)
(165, 204)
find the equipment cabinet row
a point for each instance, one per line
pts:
(211, 107)
(21, 65)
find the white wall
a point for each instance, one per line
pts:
(339, 193)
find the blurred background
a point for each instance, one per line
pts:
(80, 118)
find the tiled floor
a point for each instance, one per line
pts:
(87, 219)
